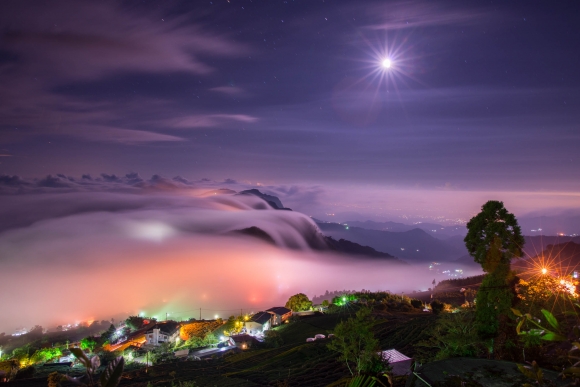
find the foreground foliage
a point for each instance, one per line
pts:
(454, 335)
(355, 342)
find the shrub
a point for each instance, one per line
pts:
(25, 373)
(417, 304)
(437, 306)
(405, 308)
(273, 339)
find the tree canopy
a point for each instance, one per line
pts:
(134, 322)
(494, 222)
(299, 302)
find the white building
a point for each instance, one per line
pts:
(165, 332)
(156, 337)
(259, 323)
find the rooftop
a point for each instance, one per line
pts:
(261, 317)
(393, 356)
(279, 310)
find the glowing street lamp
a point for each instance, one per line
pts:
(544, 270)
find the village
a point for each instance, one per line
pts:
(235, 334)
(147, 344)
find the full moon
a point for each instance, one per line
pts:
(387, 63)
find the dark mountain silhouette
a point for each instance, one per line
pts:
(567, 224)
(256, 232)
(323, 243)
(273, 201)
(562, 258)
(413, 245)
(348, 247)
(562, 249)
(421, 242)
(536, 244)
(436, 230)
(457, 243)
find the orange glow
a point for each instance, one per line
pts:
(197, 329)
(137, 341)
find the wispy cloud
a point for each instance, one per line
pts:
(415, 14)
(126, 136)
(211, 120)
(48, 54)
(103, 38)
(230, 90)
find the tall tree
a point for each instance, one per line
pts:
(493, 239)
(493, 222)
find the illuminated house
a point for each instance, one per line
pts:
(279, 315)
(259, 323)
(160, 333)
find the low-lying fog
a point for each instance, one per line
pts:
(79, 256)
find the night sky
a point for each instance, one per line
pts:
(119, 120)
(479, 96)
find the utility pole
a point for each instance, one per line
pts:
(200, 313)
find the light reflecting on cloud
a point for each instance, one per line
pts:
(150, 230)
(175, 255)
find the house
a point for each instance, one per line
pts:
(401, 364)
(164, 332)
(279, 315)
(244, 341)
(156, 337)
(259, 323)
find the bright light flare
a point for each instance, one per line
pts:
(544, 270)
(386, 63)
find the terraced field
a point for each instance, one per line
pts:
(295, 363)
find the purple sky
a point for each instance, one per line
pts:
(481, 101)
